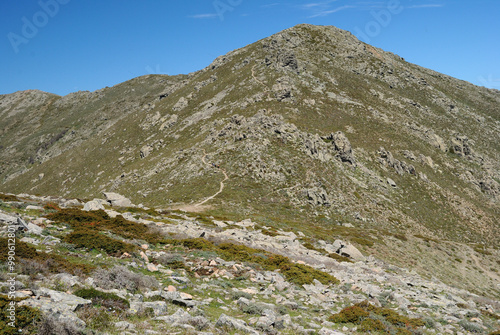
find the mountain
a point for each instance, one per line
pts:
(308, 130)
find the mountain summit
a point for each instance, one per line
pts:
(308, 128)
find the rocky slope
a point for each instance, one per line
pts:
(188, 288)
(309, 129)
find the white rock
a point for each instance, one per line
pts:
(92, 205)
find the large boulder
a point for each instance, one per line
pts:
(117, 200)
(93, 205)
(60, 305)
(343, 147)
(225, 321)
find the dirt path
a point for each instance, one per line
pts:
(266, 89)
(226, 177)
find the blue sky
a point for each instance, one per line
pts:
(62, 46)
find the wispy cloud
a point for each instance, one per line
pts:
(426, 6)
(326, 12)
(270, 5)
(204, 16)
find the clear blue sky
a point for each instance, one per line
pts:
(62, 46)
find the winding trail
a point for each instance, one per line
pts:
(226, 177)
(266, 89)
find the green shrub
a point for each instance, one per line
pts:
(26, 318)
(86, 238)
(401, 237)
(340, 258)
(8, 197)
(370, 325)
(239, 294)
(252, 309)
(29, 259)
(373, 318)
(100, 221)
(100, 298)
(352, 314)
(471, 327)
(362, 241)
(296, 273)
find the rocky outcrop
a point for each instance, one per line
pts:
(117, 200)
(460, 145)
(387, 160)
(343, 147)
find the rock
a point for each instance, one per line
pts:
(58, 304)
(391, 182)
(151, 267)
(67, 279)
(460, 146)
(124, 325)
(92, 205)
(317, 196)
(185, 296)
(348, 250)
(179, 317)
(159, 307)
(326, 331)
(343, 147)
(144, 257)
(171, 288)
(225, 321)
(35, 208)
(71, 203)
(117, 200)
(146, 150)
(387, 160)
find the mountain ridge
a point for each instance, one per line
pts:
(310, 124)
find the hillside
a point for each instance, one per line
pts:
(309, 129)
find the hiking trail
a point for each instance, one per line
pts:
(226, 177)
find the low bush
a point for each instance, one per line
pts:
(377, 319)
(86, 238)
(340, 258)
(96, 318)
(239, 294)
(252, 309)
(8, 197)
(471, 327)
(100, 298)
(120, 277)
(172, 261)
(25, 320)
(296, 273)
(51, 206)
(32, 262)
(100, 221)
(362, 241)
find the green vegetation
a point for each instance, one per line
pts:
(377, 319)
(86, 238)
(25, 318)
(32, 262)
(340, 258)
(8, 197)
(104, 299)
(296, 273)
(87, 226)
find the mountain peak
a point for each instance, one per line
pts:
(307, 128)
